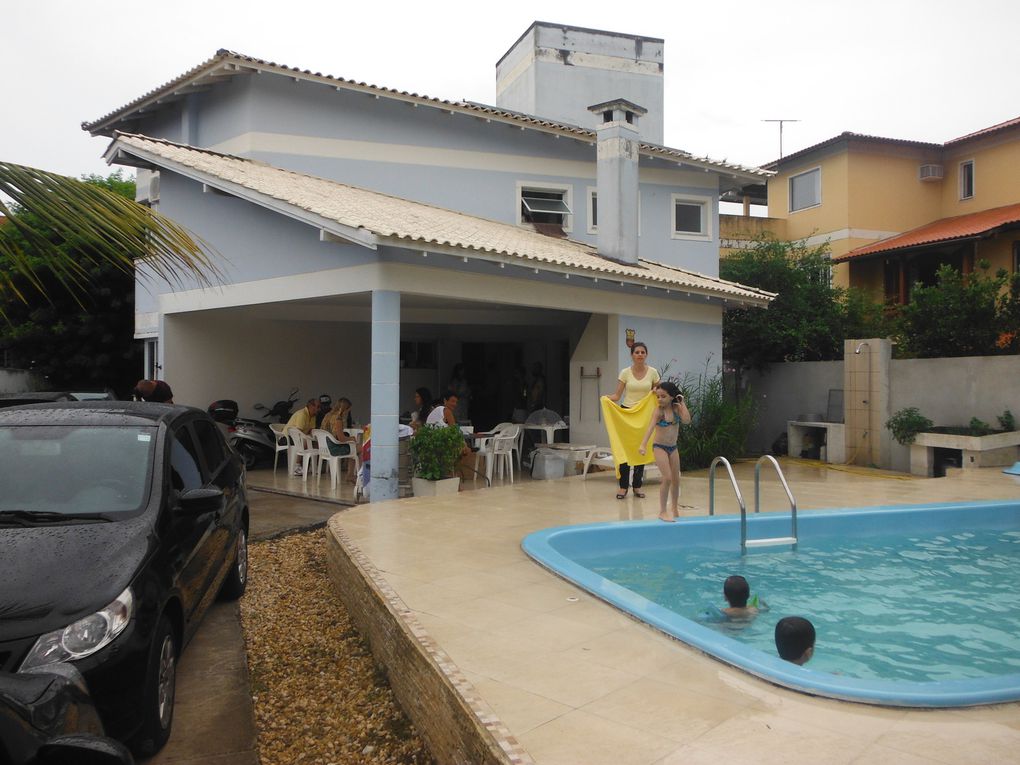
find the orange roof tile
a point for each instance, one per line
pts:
(944, 230)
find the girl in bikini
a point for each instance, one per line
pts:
(671, 412)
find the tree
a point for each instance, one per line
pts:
(75, 341)
(808, 320)
(961, 315)
(104, 227)
(67, 254)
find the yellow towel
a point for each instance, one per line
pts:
(626, 428)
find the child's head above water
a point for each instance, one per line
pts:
(795, 639)
(737, 591)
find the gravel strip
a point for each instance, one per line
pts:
(318, 695)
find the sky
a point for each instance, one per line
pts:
(927, 70)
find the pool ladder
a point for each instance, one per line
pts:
(744, 541)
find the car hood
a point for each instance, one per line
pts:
(50, 576)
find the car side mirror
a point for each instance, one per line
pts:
(95, 750)
(198, 501)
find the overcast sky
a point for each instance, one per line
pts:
(928, 70)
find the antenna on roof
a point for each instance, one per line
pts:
(780, 133)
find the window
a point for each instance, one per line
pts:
(967, 179)
(593, 211)
(806, 190)
(184, 470)
(212, 447)
(544, 203)
(416, 354)
(690, 217)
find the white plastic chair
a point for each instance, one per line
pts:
(503, 453)
(282, 442)
(322, 440)
(302, 448)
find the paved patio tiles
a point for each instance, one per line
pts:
(576, 681)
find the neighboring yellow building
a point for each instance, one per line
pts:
(893, 211)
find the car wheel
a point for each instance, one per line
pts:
(233, 586)
(249, 455)
(160, 688)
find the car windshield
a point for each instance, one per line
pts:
(74, 470)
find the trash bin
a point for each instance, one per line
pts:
(547, 465)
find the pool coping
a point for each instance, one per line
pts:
(929, 695)
(456, 723)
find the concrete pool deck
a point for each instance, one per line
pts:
(557, 676)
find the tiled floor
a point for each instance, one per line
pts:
(578, 682)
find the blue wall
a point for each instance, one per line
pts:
(281, 107)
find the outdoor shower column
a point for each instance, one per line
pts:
(385, 394)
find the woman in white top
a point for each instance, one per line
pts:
(636, 382)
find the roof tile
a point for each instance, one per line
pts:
(944, 230)
(391, 217)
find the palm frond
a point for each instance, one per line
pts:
(105, 227)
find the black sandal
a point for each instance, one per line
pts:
(622, 494)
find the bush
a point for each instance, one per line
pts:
(1007, 421)
(435, 451)
(718, 427)
(907, 423)
(961, 315)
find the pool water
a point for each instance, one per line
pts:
(916, 608)
(914, 605)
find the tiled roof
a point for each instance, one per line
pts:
(401, 222)
(944, 230)
(985, 131)
(848, 136)
(227, 63)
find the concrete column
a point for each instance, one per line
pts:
(866, 368)
(385, 394)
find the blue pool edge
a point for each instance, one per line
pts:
(935, 694)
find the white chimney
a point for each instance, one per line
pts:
(617, 173)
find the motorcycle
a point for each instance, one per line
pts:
(281, 410)
(252, 439)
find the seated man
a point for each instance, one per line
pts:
(795, 639)
(304, 420)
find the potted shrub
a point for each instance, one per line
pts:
(435, 453)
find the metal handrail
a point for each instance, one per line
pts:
(736, 490)
(757, 503)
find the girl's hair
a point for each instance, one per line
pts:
(426, 403)
(638, 344)
(671, 389)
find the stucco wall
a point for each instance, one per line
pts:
(17, 381)
(947, 391)
(951, 391)
(787, 391)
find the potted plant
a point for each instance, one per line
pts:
(435, 452)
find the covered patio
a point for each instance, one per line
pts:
(337, 278)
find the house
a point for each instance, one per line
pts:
(369, 238)
(895, 210)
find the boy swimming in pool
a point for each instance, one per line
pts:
(795, 639)
(737, 592)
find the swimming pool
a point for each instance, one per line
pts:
(914, 605)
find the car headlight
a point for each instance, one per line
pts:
(84, 637)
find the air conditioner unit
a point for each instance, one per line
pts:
(930, 173)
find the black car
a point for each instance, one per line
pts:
(120, 522)
(47, 718)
